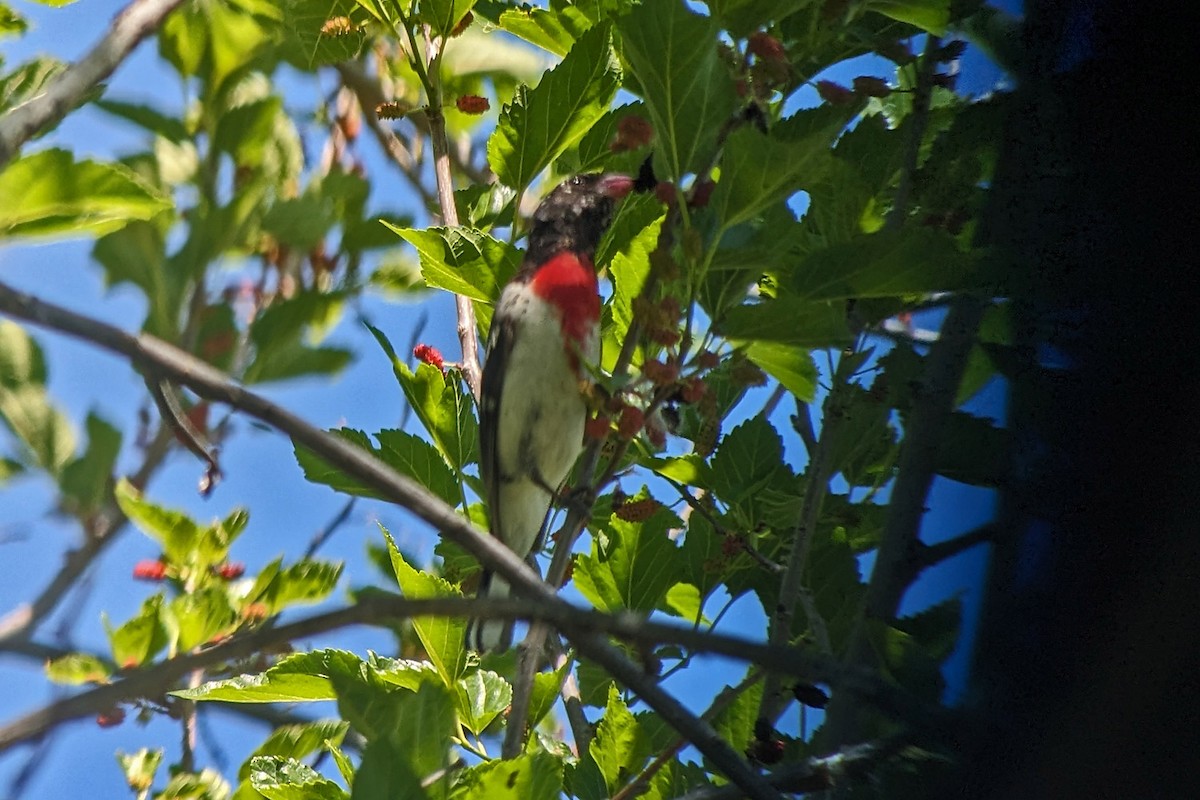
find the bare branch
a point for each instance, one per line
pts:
(137, 21)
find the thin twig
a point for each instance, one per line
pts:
(135, 22)
(330, 528)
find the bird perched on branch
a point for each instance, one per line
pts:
(545, 330)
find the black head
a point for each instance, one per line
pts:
(573, 216)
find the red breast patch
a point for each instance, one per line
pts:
(568, 281)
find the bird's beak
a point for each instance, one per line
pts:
(615, 185)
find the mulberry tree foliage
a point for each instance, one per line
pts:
(749, 417)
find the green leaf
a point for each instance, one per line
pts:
(620, 748)
(972, 450)
(175, 531)
(50, 195)
(462, 260)
(146, 117)
(689, 93)
(278, 778)
(11, 23)
(736, 722)
(684, 600)
(444, 15)
(888, 263)
(211, 40)
(441, 403)
(302, 583)
(442, 637)
(546, 688)
(320, 471)
(413, 456)
(315, 45)
(748, 460)
(297, 741)
(481, 695)
(530, 776)
(75, 669)
(788, 322)
(759, 170)
(930, 15)
(297, 678)
(25, 407)
(550, 30)
(205, 785)
(201, 615)
(139, 768)
(136, 254)
(790, 365)
(138, 640)
(703, 555)
(416, 743)
(85, 482)
(635, 569)
(540, 123)
(27, 81)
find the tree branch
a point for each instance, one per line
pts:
(152, 353)
(137, 21)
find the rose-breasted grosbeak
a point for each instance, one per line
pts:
(532, 412)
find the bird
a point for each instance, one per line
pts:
(545, 335)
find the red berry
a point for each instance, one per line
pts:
(665, 192)
(655, 433)
(633, 132)
(231, 570)
(701, 193)
(111, 718)
(596, 428)
(869, 86)
(707, 360)
(766, 47)
(149, 570)
(472, 104)
(834, 93)
(667, 337)
(631, 422)
(462, 25)
(637, 510)
(255, 612)
(429, 355)
(660, 374)
(693, 390)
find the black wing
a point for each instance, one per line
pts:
(495, 367)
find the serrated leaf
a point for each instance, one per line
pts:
(748, 459)
(319, 44)
(703, 555)
(546, 29)
(789, 364)
(689, 94)
(636, 568)
(211, 40)
(298, 741)
(789, 322)
(201, 615)
(302, 583)
(139, 639)
(279, 778)
(540, 123)
(75, 669)
(758, 170)
(85, 482)
(146, 117)
(413, 456)
(442, 637)
(441, 403)
(930, 15)
(546, 688)
(891, 262)
(462, 260)
(175, 531)
(297, 678)
(620, 748)
(530, 776)
(481, 695)
(736, 722)
(444, 15)
(416, 744)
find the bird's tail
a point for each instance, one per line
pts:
(486, 635)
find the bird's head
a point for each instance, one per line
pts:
(574, 215)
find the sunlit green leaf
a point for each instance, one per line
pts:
(74, 669)
(51, 195)
(443, 637)
(541, 122)
(279, 778)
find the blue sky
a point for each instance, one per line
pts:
(285, 510)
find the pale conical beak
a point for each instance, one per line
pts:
(615, 185)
